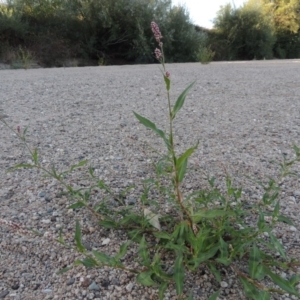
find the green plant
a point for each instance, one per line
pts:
(204, 229)
(24, 57)
(205, 55)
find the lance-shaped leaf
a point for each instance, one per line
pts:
(147, 123)
(179, 273)
(79, 245)
(254, 261)
(162, 289)
(143, 252)
(182, 171)
(214, 296)
(123, 250)
(181, 162)
(103, 258)
(284, 284)
(145, 279)
(180, 101)
(210, 214)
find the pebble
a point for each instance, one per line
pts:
(129, 286)
(42, 194)
(94, 286)
(46, 221)
(297, 193)
(293, 228)
(224, 284)
(4, 294)
(70, 281)
(105, 242)
(47, 291)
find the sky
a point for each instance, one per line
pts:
(202, 12)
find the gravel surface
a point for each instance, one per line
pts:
(244, 114)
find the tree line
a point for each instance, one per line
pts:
(118, 31)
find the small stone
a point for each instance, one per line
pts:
(4, 294)
(94, 286)
(42, 194)
(70, 281)
(48, 198)
(15, 286)
(53, 219)
(293, 228)
(85, 283)
(129, 286)
(92, 229)
(105, 283)
(50, 210)
(224, 284)
(46, 221)
(47, 291)
(131, 201)
(297, 193)
(105, 242)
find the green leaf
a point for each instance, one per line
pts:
(89, 262)
(76, 205)
(249, 289)
(64, 270)
(180, 101)
(79, 245)
(103, 258)
(145, 279)
(123, 250)
(214, 296)
(286, 220)
(277, 245)
(80, 164)
(215, 271)
(35, 156)
(182, 171)
(168, 82)
(254, 261)
(205, 256)
(282, 283)
(295, 279)
(179, 273)
(162, 235)
(161, 290)
(185, 156)
(143, 252)
(19, 166)
(210, 214)
(108, 224)
(152, 126)
(261, 221)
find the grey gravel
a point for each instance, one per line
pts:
(245, 114)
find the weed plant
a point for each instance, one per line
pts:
(205, 55)
(204, 229)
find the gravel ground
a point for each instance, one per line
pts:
(244, 114)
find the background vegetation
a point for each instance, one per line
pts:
(115, 32)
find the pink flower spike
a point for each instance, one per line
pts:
(168, 74)
(156, 31)
(158, 54)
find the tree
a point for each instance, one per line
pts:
(245, 32)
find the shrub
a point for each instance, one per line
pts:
(205, 55)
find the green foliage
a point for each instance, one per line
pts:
(205, 55)
(101, 31)
(245, 32)
(209, 228)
